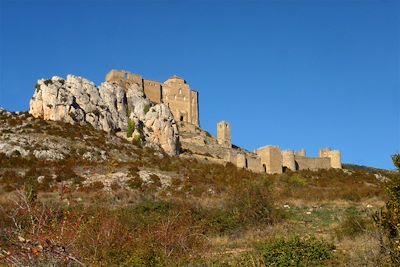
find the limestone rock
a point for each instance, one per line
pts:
(161, 128)
(107, 107)
(13, 150)
(48, 154)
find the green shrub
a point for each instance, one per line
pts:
(131, 128)
(137, 140)
(396, 161)
(352, 226)
(294, 179)
(154, 206)
(146, 109)
(388, 219)
(297, 252)
(252, 202)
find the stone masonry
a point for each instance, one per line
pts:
(273, 160)
(184, 105)
(175, 92)
(224, 134)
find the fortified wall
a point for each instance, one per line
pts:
(175, 92)
(268, 159)
(184, 105)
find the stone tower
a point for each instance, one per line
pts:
(271, 158)
(224, 134)
(288, 160)
(334, 155)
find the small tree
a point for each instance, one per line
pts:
(388, 220)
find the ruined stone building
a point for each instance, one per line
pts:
(274, 160)
(184, 104)
(175, 92)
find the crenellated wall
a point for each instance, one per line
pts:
(305, 163)
(184, 105)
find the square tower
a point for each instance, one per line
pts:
(271, 159)
(224, 134)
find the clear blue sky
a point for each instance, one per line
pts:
(298, 74)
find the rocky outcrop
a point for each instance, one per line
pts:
(108, 107)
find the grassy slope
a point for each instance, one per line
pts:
(207, 215)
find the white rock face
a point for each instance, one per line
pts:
(160, 131)
(78, 100)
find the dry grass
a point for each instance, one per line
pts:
(211, 215)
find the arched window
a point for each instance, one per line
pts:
(180, 91)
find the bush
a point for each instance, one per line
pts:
(388, 220)
(297, 180)
(146, 109)
(251, 201)
(131, 128)
(352, 226)
(137, 140)
(297, 252)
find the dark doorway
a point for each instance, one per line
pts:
(181, 118)
(265, 168)
(245, 163)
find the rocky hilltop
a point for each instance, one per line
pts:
(109, 107)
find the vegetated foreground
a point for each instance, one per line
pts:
(111, 203)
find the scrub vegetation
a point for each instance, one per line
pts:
(54, 213)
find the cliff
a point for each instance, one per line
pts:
(109, 107)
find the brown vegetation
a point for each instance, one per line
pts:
(208, 215)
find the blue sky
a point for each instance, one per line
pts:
(298, 74)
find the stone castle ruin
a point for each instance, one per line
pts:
(175, 92)
(184, 105)
(163, 114)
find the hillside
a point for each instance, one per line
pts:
(73, 195)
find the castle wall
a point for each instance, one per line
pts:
(305, 163)
(271, 157)
(254, 163)
(124, 78)
(152, 90)
(241, 161)
(288, 160)
(195, 107)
